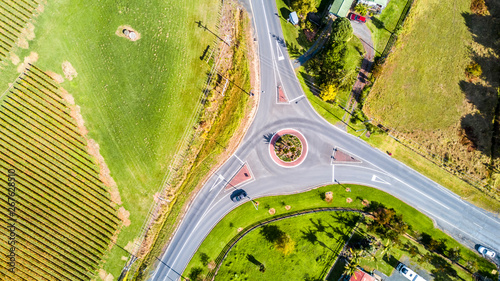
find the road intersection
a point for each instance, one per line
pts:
(465, 222)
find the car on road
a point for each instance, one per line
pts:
(408, 273)
(238, 195)
(486, 252)
(357, 18)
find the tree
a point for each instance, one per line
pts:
(342, 30)
(303, 8)
(352, 265)
(329, 92)
(285, 244)
(454, 254)
(361, 9)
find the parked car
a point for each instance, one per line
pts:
(357, 18)
(408, 273)
(486, 252)
(238, 195)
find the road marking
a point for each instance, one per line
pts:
(280, 53)
(239, 159)
(333, 173)
(219, 180)
(301, 97)
(379, 180)
(477, 225)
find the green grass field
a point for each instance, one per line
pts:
(382, 26)
(64, 219)
(419, 88)
(136, 97)
(317, 240)
(245, 215)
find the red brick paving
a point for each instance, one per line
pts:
(281, 96)
(242, 176)
(341, 156)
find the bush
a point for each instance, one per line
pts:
(474, 70)
(362, 9)
(329, 92)
(478, 7)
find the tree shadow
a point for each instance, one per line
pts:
(318, 225)
(267, 137)
(271, 233)
(309, 236)
(390, 260)
(480, 130)
(379, 24)
(285, 12)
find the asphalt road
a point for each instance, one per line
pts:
(468, 224)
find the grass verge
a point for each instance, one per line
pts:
(246, 214)
(231, 113)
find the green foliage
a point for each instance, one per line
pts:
(342, 30)
(328, 92)
(303, 7)
(196, 274)
(474, 70)
(361, 9)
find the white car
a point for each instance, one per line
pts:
(486, 252)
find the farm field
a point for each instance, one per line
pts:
(314, 242)
(63, 212)
(425, 94)
(137, 98)
(14, 18)
(240, 218)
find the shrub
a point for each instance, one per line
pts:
(361, 9)
(478, 7)
(474, 70)
(329, 92)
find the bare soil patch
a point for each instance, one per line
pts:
(32, 58)
(119, 32)
(14, 59)
(68, 70)
(348, 200)
(123, 215)
(27, 34)
(57, 77)
(272, 211)
(288, 207)
(105, 276)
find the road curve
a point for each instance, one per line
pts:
(465, 222)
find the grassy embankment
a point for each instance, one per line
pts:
(246, 215)
(135, 97)
(424, 93)
(231, 113)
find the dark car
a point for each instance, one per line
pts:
(357, 18)
(238, 195)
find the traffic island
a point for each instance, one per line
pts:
(288, 148)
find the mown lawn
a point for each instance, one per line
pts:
(136, 97)
(317, 238)
(246, 214)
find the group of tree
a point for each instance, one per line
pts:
(303, 8)
(330, 65)
(386, 222)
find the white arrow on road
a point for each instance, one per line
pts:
(379, 180)
(280, 53)
(219, 180)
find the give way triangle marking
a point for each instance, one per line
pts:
(379, 180)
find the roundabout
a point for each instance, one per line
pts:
(288, 148)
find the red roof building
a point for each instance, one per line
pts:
(361, 276)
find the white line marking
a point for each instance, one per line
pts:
(239, 159)
(219, 180)
(333, 173)
(379, 180)
(477, 225)
(301, 97)
(280, 53)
